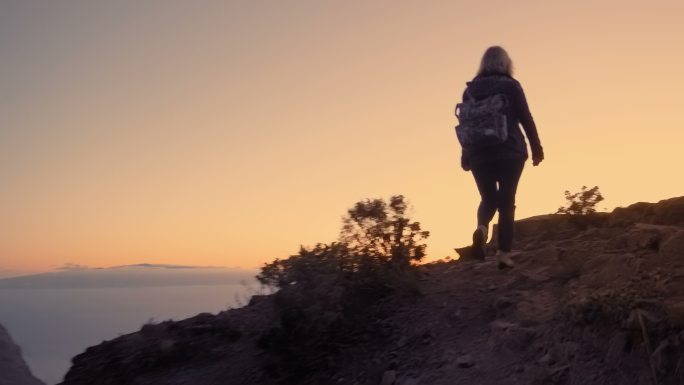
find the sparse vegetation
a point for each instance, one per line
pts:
(602, 309)
(582, 202)
(614, 308)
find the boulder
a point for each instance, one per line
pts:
(637, 212)
(669, 211)
(666, 212)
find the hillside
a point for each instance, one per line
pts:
(13, 368)
(592, 300)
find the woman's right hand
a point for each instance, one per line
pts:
(465, 164)
(537, 157)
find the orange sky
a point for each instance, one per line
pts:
(229, 133)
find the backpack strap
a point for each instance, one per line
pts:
(468, 97)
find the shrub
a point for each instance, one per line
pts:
(329, 294)
(308, 265)
(602, 308)
(384, 231)
(582, 202)
(378, 243)
(614, 308)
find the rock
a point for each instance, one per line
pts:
(637, 212)
(566, 351)
(389, 377)
(636, 239)
(639, 316)
(256, 299)
(409, 381)
(616, 348)
(664, 358)
(509, 336)
(675, 311)
(13, 368)
(466, 253)
(502, 305)
(673, 248)
(455, 317)
(665, 212)
(402, 341)
(643, 239)
(542, 226)
(465, 361)
(669, 211)
(546, 359)
(680, 369)
(502, 325)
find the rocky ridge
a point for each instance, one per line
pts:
(596, 299)
(13, 368)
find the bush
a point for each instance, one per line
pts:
(329, 294)
(602, 308)
(308, 265)
(384, 232)
(582, 202)
(377, 245)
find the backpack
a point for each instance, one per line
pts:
(482, 123)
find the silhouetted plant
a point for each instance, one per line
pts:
(328, 295)
(307, 265)
(377, 240)
(384, 231)
(582, 202)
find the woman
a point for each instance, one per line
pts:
(497, 168)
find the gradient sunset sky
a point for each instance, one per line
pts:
(228, 133)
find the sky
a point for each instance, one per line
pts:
(228, 133)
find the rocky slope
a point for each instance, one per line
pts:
(592, 300)
(13, 369)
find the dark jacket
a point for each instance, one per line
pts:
(517, 112)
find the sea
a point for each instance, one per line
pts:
(53, 325)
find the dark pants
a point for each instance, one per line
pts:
(506, 173)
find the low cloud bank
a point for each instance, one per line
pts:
(72, 276)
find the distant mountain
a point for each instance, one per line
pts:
(13, 369)
(140, 275)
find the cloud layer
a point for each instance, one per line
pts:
(71, 276)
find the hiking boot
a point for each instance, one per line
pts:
(504, 259)
(479, 242)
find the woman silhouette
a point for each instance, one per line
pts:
(497, 168)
